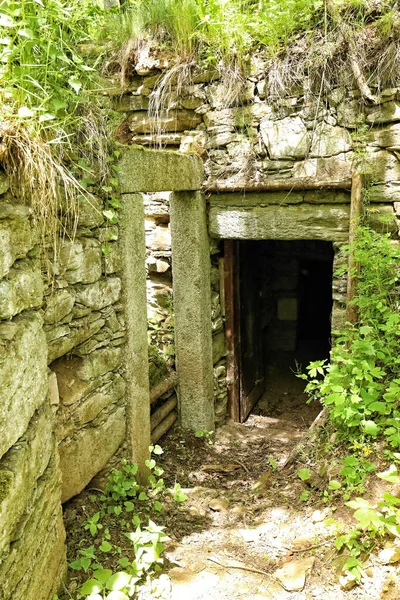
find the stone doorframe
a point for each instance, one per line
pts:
(143, 170)
(267, 215)
(283, 216)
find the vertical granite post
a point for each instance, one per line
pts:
(192, 309)
(133, 252)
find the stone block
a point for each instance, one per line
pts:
(78, 377)
(255, 199)
(172, 120)
(143, 170)
(287, 138)
(159, 239)
(129, 103)
(90, 211)
(97, 401)
(112, 262)
(192, 307)
(384, 192)
(384, 113)
(58, 305)
(100, 294)
(220, 96)
(22, 289)
(23, 376)
(383, 166)
(385, 137)
(233, 118)
(350, 113)
(334, 168)
(16, 239)
(80, 260)
(303, 221)
(94, 446)
(218, 347)
(72, 336)
(326, 197)
(35, 564)
(328, 140)
(26, 461)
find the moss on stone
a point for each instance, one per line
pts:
(157, 366)
(6, 483)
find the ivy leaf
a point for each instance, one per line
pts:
(6, 21)
(379, 407)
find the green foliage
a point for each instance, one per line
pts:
(375, 521)
(361, 388)
(124, 505)
(207, 436)
(361, 384)
(43, 74)
(219, 29)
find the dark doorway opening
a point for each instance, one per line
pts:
(278, 318)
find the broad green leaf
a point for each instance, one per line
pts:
(304, 474)
(105, 546)
(370, 428)
(116, 595)
(118, 581)
(334, 485)
(391, 475)
(6, 21)
(102, 575)
(368, 516)
(91, 586)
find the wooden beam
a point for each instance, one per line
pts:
(162, 412)
(231, 329)
(276, 185)
(163, 427)
(163, 387)
(353, 265)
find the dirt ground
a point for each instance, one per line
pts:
(244, 532)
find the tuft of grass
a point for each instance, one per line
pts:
(52, 128)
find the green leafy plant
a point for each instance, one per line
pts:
(360, 385)
(205, 435)
(124, 506)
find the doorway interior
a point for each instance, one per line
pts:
(278, 297)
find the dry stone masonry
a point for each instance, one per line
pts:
(250, 142)
(32, 531)
(275, 169)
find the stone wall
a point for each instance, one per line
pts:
(84, 328)
(252, 141)
(32, 531)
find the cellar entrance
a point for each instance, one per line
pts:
(279, 305)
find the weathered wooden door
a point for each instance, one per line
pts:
(243, 328)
